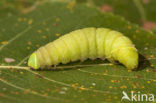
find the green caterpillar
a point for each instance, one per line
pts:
(86, 43)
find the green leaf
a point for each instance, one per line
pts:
(10, 7)
(141, 12)
(21, 35)
(125, 8)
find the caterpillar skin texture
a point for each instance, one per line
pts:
(86, 43)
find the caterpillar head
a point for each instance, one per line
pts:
(33, 61)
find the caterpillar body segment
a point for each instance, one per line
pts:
(86, 43)
(91, 38)
(73, 47)
(82, 43)
(101, 34)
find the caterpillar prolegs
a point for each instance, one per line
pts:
(86, 43)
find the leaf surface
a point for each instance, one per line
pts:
(20, 35)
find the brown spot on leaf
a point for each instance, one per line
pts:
(25, 19)
(19, 19)
(145, 1)
(57, 34)
(106, 8)
(124, 78)
(123, 86)
(143, 87)
(39, 31)
(154, 80)
(138, 76)
(74, 85)
(45, 95)
(29, 43)
(57, 19)
(44, 23)
(147, 25)
(54, 24)
(44, 37)
(39, 76)
(30, 21)
(115, 69)
(16, 24)
(14, 92)
(3, 30)
(4, 42)
(154, 70)
(117, 81)
(2, 95)
(71, 5)
(47, 29)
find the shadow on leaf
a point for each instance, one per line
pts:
(143, 63)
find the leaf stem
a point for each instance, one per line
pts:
(59, 67)
(13, 67)
(62, 67)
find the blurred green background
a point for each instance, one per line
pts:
(141, 12)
